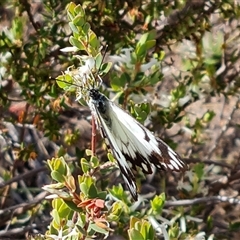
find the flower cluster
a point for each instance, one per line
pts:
(83, 78)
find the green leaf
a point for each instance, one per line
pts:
(135, 235)
(72, 205)
(60, 165)
(85, 29)
(98, 60)
(110, 157)
(102, 195)
(146, 42)
(141, 51)
(147, 230)
(179, 92)
(116, 211)
(150, 44)
(70, 8)
(151, 232)
(56, 218)
(154, 78)
(79, 10)
(208, 116)
(84, 188)
(157, 204)
(173, 232)
(70, 16)
(61, 151)
(64, 210)
(93, 40)
(95, 162)
(64, 81)
(57, 176)
(79, 21)
(151, 35)
(98, 229)
(57, 203)
(118, 83)
(75, 42)
(73, 27)
(118, 192)
(88, 180)
(17, 27)
(92, 192)
(138, 79)
(199, 170)
(146, 107)
(82, 218)
(89, 152)
(161, 55)
(85, 165)
(142, 117)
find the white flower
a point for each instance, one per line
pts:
(86, 69)
(125, 59)
(83, 77)
(61, 237)
(147, 66)
(69, 49)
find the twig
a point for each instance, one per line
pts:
(27, 7)
(23, 206)
(20, 230)
(22, 176)
(202, 200)
(25, 189)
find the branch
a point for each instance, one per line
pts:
(202, 200)
(22, 176)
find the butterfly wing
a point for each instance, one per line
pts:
(132, 143)
(140, 146)
(117, 152)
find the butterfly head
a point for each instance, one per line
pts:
(98, 100)
(94, 94)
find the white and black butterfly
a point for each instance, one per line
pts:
(131, 143)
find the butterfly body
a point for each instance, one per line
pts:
(132, 144)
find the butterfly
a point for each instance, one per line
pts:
(132, 144)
